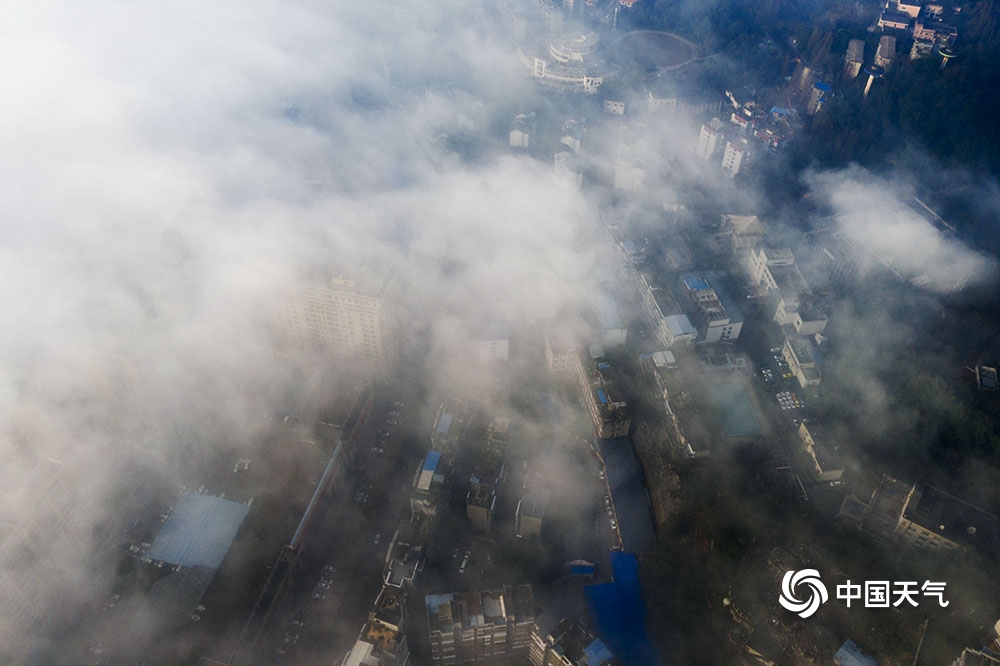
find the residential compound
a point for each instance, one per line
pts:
(749, 134)
(598, 383)
(926, 23)
(328, 312)
(488, 473)
(479, 627)
(773, 275)
(925, 517)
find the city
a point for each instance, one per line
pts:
(514, 332)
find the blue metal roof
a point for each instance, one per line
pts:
(444, 423)
(431, 461)
(619, 613)
(596, 653)
(198, 532)
(600, 396)
(695, 283)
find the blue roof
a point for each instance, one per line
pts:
(582, 570)
(624, 567)
(781, 111)
(596, 653)
(444, 423)
(619, 613)
(431, 461)
(695, 283)
(198, 532)
(823, 87)
(600, 396)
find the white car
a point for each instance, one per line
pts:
(465, 562)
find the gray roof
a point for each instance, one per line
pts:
(198, 532)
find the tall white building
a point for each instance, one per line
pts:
(710, 138)
(736, 157)
(337, 315)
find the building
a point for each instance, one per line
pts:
(488, 474)
(522, 131)
(480, 504)
(530, 513)
(427, 486)
(671, 325)
(610, 326)
(802, 315)
(894, 20)
(570, 62)
(926, 518)
(560, 354)
(441, 628)
(428, 470)
(630, 174)
(405, 555)
(567, 165)
(973, 657)
(608, 410)
(850, 654)
(737, 156)
(821, 455)
(818, 96)
(710, 139)
(886, 53)
(763, 261)
(566, 643)
(330, 313)
(743, 232)
(804, 359)
(911, 9)
(714, 313)
(854, 58)
(480, 627)
(494, 343)
(614, 107)
(382, 641)
(449, 425)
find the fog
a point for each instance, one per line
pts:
(167, 167)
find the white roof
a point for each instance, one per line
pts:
(679, 325)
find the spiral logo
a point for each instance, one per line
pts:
(817, 592)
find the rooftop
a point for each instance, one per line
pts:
(198, 532)
(885, 507)
(950, 517)
(534, 504)
(431, 461)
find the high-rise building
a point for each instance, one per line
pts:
(479, 627)
(608, 410)
(327, 313)
(737, 156)
(710, 139)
